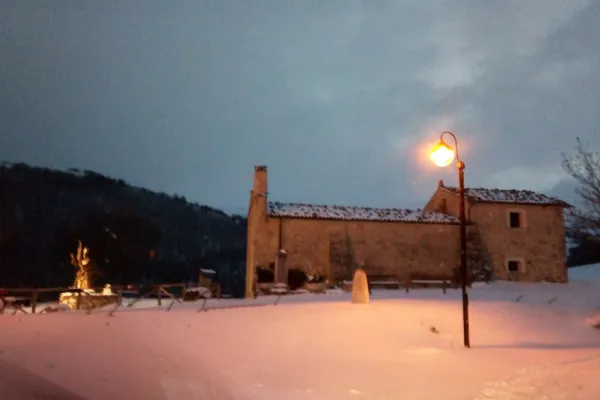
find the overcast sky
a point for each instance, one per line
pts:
(340, 98)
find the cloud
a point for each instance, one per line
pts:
(546, 178)
(565, 190)
(341, 98)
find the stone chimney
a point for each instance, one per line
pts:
(257, 224)
(260, 180)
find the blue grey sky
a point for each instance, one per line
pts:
(340, 98)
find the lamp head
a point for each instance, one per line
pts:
(441, 154)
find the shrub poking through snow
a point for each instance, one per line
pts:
(594, 321)
(196, 293)
(265, 275)
(296, 278)
(433, 329)
(360, 287)
(316, 279)
(55, 308)
(316, 284)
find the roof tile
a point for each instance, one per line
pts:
(310, 211)
(509, 196)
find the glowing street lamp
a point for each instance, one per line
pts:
(442, 155)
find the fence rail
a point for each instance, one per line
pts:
(31, 295)
(142, 291)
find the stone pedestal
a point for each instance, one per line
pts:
(360, 287)
(281, 271)
(87, 300)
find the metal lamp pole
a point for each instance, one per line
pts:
(463, 239)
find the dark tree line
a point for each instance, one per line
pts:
(134, 235)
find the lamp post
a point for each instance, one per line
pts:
(442, 155)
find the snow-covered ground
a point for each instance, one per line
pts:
(529, 341)
(585, 272)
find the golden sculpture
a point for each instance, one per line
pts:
(82, 262)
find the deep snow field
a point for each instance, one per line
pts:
(529, 341)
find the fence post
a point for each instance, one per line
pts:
(277, 299)
(159, 294)
(34, 298)
(203, 308)
(519, 298)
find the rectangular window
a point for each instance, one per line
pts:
(514, 265)
(515, 219)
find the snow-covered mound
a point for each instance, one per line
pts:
(585, 272)
(594, 321)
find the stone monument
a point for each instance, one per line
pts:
(360, 287)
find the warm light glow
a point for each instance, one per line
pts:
(81, 261)
(441, 154)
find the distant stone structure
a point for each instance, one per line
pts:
(512, 235)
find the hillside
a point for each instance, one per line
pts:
(134, 235)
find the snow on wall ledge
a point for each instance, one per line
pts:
(513, 196)
(347, 213)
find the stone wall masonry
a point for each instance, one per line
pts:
(452, 201)
(399, 249)
(382, 247)
(540, 243)
(266, 241)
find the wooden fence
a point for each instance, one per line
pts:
(159, 290)
(32, 295)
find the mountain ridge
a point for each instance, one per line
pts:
(45, 211)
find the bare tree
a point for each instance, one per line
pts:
(584, 166)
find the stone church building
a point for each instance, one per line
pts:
(516, 234)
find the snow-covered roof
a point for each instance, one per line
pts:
(311, 211)
(510, 196)
(207, 271)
